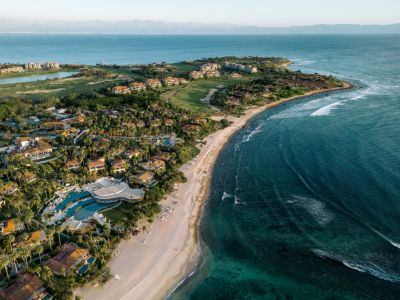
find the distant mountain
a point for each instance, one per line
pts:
(155, 27)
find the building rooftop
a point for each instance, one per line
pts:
(38, 236)
(70, 255)
(27, 286)
(109, 190)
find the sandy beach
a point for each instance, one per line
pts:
(150, 265)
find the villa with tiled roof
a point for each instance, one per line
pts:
(70, 256)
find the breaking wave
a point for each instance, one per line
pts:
(365, 267)
(226, 195)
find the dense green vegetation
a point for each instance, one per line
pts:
(114, 124)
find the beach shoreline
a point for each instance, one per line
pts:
(154, 263)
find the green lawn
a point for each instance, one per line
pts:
(189, 97)
(117, 214)
(55, 87)
(128, 74)
(185, 67)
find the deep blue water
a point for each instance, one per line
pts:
(305, 201)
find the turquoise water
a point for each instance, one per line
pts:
(304, 202)
(85, 209)
(31, 78)
(71, 198)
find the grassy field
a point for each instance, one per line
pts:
(185, 67)
(55, 87)
(128, 74)
(115, 215)
(189, 97)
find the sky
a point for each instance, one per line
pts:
(241, 12)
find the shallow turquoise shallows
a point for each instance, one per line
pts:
(305, 201)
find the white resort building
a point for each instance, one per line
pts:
(108, 190)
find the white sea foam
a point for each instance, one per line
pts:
(315, 208)
(254, 132)
(304, 109)
(238, 202)
(364, 267)
(326, 110)
(394, 244)
(358, 95)
(226, 195)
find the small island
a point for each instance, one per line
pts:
(94, 160)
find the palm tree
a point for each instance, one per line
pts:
(27, 217)
(8, 242)
(59, 230)
(39, 251)
(14, 258)
(25, 253)
(4, 262)
(47, 273)
(50, 235)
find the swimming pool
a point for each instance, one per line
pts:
(85, 209)
(71, 198)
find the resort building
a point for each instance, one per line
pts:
(8, 188)
(40, 150)
(73, 164)
(53, 125)
(144, 178)
(97, 165)
(153, 164)
(120, 90)
(109, 190)
(212, 74)
(183, 81)
(29, 177)
(171, 81)
(76, 226)
(239, 67)
(153, 83)
(75, 120)
(137, 86)
(10, 226)
(35, 238)
(190, 128)
(210, 67)
(196, 75)
(27, 287)
(132, 153)
(33, 66)
(209, 70)
(70, 132)
(51, 65)
(232, 101)
(11, 69)
(25, 142)
(70, 256)
(118, 166)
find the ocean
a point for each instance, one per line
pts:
(305, 201)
